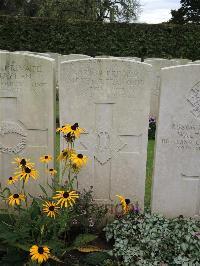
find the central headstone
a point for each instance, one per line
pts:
(176, 189)
(110, 99)
(26, 111)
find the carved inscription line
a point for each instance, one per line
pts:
(185, 136)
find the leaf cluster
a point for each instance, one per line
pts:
(145, 239)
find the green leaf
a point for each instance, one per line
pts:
(83, 239)
(43, 190)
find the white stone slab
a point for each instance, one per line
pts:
(110, 99)
(131, 58)
(195, 62)
(181, 61)
(176, 184)
(73, 57)
(157, 64)
(27, 125)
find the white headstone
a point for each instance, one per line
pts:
(157, 64)
(176, 184)
(181, 61)
(110, 99)
(55, 56)
(73, 57)
(131, 58)
(26, 111)
(195, 62)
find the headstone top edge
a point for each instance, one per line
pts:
(180, 66)
(28, 55)
(104, 60)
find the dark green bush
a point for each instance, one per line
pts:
(95, 38)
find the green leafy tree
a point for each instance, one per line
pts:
(95, 10)
(189, 12)
(19, 7)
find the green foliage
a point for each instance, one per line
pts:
(98, 259)
(94, 10)
(89, 215)
(83, 239)
(145, 239)
(18, 232)
(96, 38)
(189, 12)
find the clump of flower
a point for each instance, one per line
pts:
(49, 213)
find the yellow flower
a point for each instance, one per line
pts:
(45, 158)
(52, 171)
(22, 162)
(65, 154)
(12, 180)
(78, 159)
(41, 254)
(15, 199)
(26, 173)
(124, 202)
(61, 129)
(66, 198)
(73, 130)
(50, 208)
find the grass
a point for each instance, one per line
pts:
(149, 172)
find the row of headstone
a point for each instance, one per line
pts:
(111, 98)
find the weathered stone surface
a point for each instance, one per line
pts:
(181, 61)
(132, 58)
(26, 111)
(195, 62)
(157, 65)
(73, 57)
(176, 184)
(110, 99)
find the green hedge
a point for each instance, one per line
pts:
(94, 38)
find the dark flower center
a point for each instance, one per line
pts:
(10, 178)
(23, 162)
(46, 157)
(51, 208)
(80, 156)
(75, 126)
(16, 196)
(64, 153)
(27, 170)
(65, 195)
(127, 201)
(51, 169)
(40, 250)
